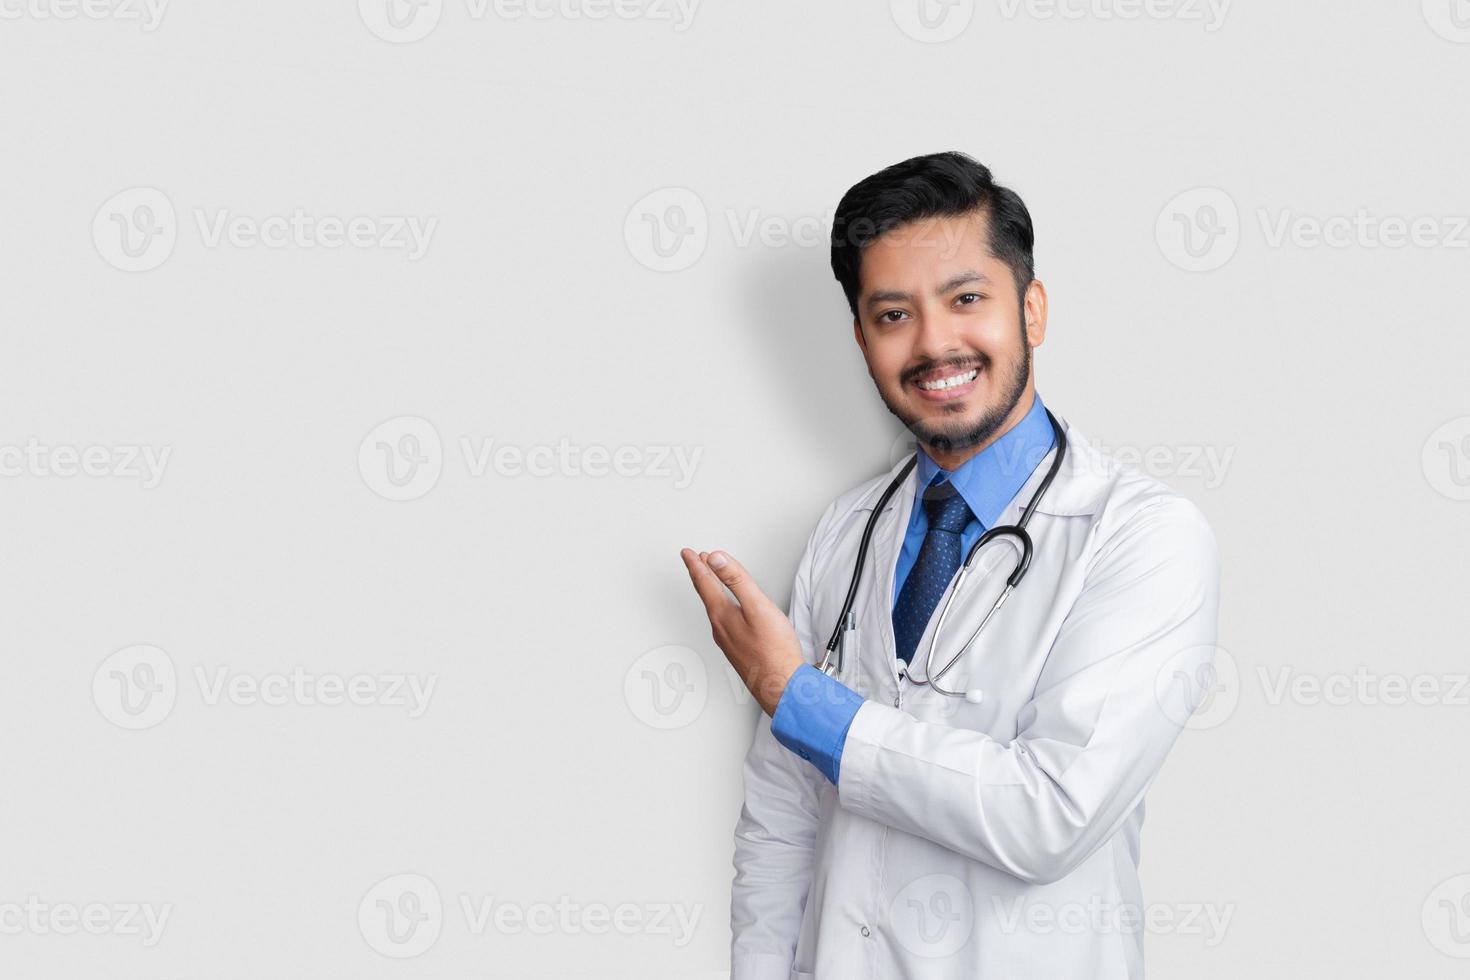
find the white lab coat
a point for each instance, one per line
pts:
(990, 841)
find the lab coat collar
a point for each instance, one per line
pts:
(988, 480)
(1078, 490)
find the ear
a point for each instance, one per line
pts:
(1034, 309)
(857, 333)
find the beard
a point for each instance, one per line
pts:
(947, 438)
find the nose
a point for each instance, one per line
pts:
(938, 335)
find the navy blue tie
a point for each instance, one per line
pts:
(939, 559)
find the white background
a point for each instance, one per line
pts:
(543, 769)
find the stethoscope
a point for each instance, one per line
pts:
(846, 620)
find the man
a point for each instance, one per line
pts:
(923, 814)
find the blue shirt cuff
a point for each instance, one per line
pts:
(812, 718)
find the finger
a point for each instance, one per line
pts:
(735, 577)
(705, 582)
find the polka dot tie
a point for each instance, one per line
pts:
(939, 559)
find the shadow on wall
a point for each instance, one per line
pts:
(802, 332)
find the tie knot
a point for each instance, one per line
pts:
(945, 507)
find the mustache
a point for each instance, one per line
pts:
(958, 364)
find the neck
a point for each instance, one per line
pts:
(952, 461)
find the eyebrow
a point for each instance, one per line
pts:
(954, 282)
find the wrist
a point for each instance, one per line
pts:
(773, 684)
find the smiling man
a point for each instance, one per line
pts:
(962, 801)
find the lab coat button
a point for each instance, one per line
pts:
(865, 930)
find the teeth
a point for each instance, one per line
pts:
(952, 382)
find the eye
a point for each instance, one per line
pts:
(891, 316)
(968, 298)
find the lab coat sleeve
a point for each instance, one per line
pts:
(776, 831)
(1106, 709)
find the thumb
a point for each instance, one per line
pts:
(735, 577)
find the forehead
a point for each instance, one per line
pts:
(927, 250)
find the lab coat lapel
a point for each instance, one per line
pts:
(883, 558)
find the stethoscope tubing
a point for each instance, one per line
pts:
(1017, 531)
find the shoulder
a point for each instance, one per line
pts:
(1133, 511)
(853, 507)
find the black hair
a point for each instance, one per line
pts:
(936, 185)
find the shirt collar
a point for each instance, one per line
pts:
(992, 477)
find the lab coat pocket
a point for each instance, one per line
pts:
(798, 975)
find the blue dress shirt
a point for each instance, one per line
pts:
(815, 710)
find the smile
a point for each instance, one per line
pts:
(953, 381)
